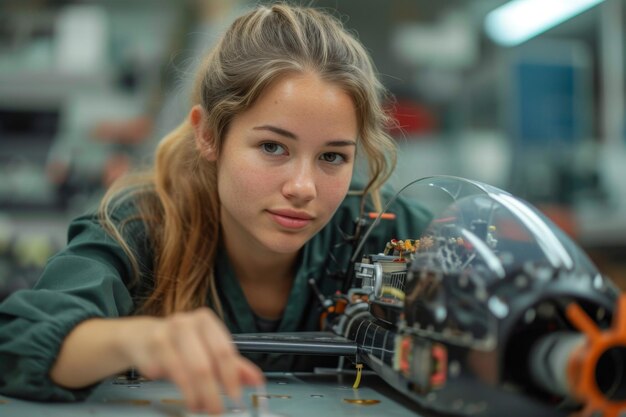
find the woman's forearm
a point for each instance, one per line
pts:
(192, 349)
(93, 351)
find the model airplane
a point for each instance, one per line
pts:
(491, 310)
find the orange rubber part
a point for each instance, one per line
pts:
(339, 307)
(584, 360)
(383, 216)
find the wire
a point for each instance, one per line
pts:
(357, 381)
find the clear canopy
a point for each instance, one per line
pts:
(481, 248)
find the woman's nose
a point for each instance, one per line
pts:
(300, 184)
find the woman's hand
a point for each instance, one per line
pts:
(195, 351)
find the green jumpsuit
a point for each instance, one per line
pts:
(91, 278)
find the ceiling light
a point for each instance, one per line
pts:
(520, 20)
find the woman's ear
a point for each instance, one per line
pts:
(205, 142)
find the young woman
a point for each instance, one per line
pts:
(248, 199)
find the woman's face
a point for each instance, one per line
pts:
(286, 165)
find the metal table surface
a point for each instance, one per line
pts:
(287, 394)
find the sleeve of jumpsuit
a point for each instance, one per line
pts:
(87, 279)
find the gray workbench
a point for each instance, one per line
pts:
(320, 394)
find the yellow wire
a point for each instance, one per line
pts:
(393, 291)
(357, 381)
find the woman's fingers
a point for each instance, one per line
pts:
(200, 365)
(249, 373)
(171, 362)
(219, 343)
(195, 351)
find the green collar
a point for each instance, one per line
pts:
(238, 314)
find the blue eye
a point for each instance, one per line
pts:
(272, 148)
(333, 158)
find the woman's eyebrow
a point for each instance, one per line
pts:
(291, 135)
(341, 143)
(278, 131)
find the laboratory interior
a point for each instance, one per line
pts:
(524, 95)
(87, 89)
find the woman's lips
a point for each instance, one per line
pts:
(290, 219)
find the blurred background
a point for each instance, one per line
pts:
(529, 100)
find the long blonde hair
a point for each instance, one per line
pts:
(182, 215)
